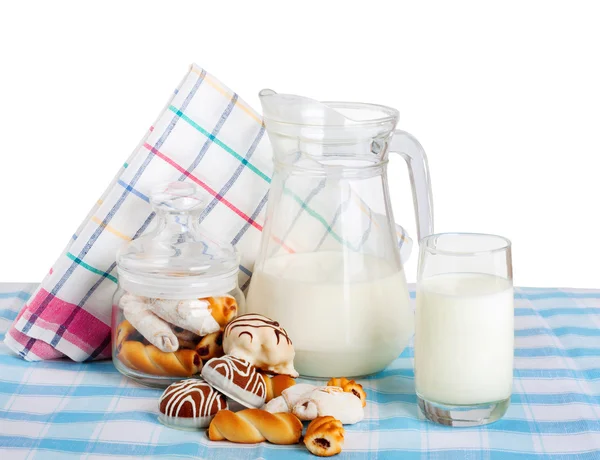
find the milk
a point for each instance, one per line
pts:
(346, 313)
(464, 339)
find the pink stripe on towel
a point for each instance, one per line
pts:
(84, 330)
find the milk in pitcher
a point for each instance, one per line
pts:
(347, 313)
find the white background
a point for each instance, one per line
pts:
(504, 96)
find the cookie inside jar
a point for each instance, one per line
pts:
(178, 289)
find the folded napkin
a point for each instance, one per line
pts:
(208, 135)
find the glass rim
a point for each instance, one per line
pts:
(425, 246)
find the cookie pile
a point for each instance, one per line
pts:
(257, 373)
(171, 338)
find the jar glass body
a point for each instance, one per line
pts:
(158, 352)
(178, 289)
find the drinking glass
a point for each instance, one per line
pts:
(464, 328)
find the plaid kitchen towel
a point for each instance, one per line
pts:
(208, 135)
(64, 410)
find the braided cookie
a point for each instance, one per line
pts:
(251, 426)
(349, 386)
(149, 359)
(324, 436)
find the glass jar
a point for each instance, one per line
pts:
(178, 289)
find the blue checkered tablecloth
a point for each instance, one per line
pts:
(66, 410)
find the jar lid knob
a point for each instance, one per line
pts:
(177, 197)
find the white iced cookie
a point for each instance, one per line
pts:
(193, 315)
(154, 329)
(276, 405)
(289, 397)
(333, 401)
(262, 342)
(294, 394)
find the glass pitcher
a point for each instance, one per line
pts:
(329, 267)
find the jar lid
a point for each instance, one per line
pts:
(178, 259)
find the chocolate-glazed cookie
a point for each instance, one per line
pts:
(190, 404)
(237, 379)
(262, 342)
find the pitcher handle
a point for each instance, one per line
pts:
(411, 150)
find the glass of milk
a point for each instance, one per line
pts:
(464, 328)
